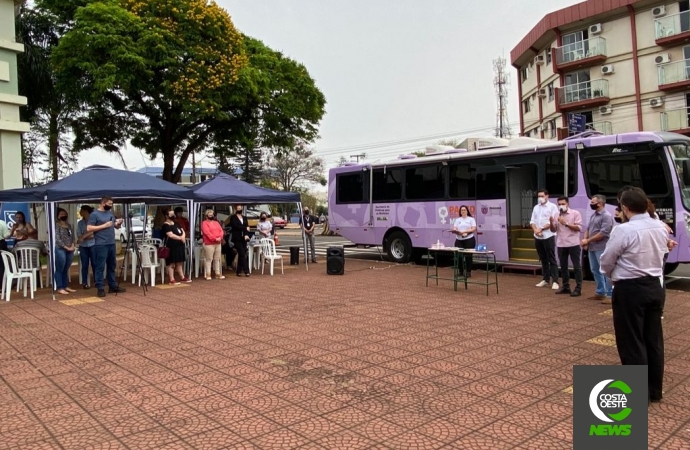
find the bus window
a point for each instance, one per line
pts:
(462, 182)
(606, 175)
(425, 183)
(388, 185)
(554, 174)
(491, 185)
(350, 187)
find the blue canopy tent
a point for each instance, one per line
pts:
(226, 189)
(93, 183)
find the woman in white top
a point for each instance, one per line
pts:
(264, 226)
(464, 228)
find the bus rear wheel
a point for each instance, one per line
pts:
(399, 247)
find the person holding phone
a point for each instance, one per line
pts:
(102, 224)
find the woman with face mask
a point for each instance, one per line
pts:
(239, 237)
(175, 241)
(22, 230)
(265, 227)
(212, 234)
(64, 252)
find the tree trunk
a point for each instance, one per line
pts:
(53, 146)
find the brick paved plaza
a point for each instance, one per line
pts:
(372, 359)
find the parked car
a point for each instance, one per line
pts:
(279, 222)
(137, 230)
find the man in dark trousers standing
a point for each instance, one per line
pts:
(634, 261)
(308, 223)
(102, 223)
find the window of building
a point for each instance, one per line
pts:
(577, 86)
(350, 187)
(548, 55)
(524, 74)
(551, 91)
(554, 174)
(425, 183)
(575, 46)
(388, 184)
(462, 181)
(527, 105)
(552, 129)
(684, 7)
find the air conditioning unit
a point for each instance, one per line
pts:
(656, 102)
(663, 58)
(604, 110)
(545, 126)
(539, 59)
(595, 29)
(607, 69)
(659, 11)
(542, 93)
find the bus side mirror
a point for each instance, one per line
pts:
(686, 172)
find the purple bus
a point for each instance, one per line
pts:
(408, 204)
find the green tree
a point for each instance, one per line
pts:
(455, 143)
(293, 167)
(175, 77)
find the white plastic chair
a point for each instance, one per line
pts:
(12, 273)
(149, 263)
(28, 260)
(269, 253)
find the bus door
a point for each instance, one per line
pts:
(521, 196)
(491, 210)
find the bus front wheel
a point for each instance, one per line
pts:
(399, 247)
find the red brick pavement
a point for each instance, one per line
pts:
(369, 360)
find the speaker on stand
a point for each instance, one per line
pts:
(335, 261)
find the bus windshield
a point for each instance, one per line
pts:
(681, 155)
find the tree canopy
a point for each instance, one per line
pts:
(176, 77)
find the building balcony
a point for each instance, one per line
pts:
(588, 94)
(672, 30)
(676, 120)
(578, 55)
(674, 76)
(601, 126)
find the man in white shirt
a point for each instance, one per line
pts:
(544, 217)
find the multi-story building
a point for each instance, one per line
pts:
(11, 127)
(610, 65)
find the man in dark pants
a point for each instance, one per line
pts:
(568, 244)
(102, 223)
(544, 216)
(634, 260)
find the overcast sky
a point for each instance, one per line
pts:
(390, 71)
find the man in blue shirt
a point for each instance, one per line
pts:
(102, 223)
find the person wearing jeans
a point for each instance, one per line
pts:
(543, 223)
(64, 252)
(212, 233)
(86, 243)
(102, 223)
(568, 245)
(594, 242)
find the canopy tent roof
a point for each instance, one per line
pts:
(224, 188)
(95, 182)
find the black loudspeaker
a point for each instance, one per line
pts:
(335, 261)
(294, 256)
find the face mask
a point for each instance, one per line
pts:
(239, 211)
(62, 218)
(618, 219)
(171, 216)
(594, 206)
(107, 207)
(542, 200)
(263, 219)
(209, 217)
(563, 208)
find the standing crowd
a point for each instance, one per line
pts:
(627, 263)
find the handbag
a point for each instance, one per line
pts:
(163, 250)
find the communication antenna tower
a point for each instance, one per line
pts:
(501, 81)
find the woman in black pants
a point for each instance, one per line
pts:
(464, 227)
(239, 237)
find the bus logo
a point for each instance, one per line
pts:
(485, 210)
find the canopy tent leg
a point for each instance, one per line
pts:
(192, 238)
(50, 221)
